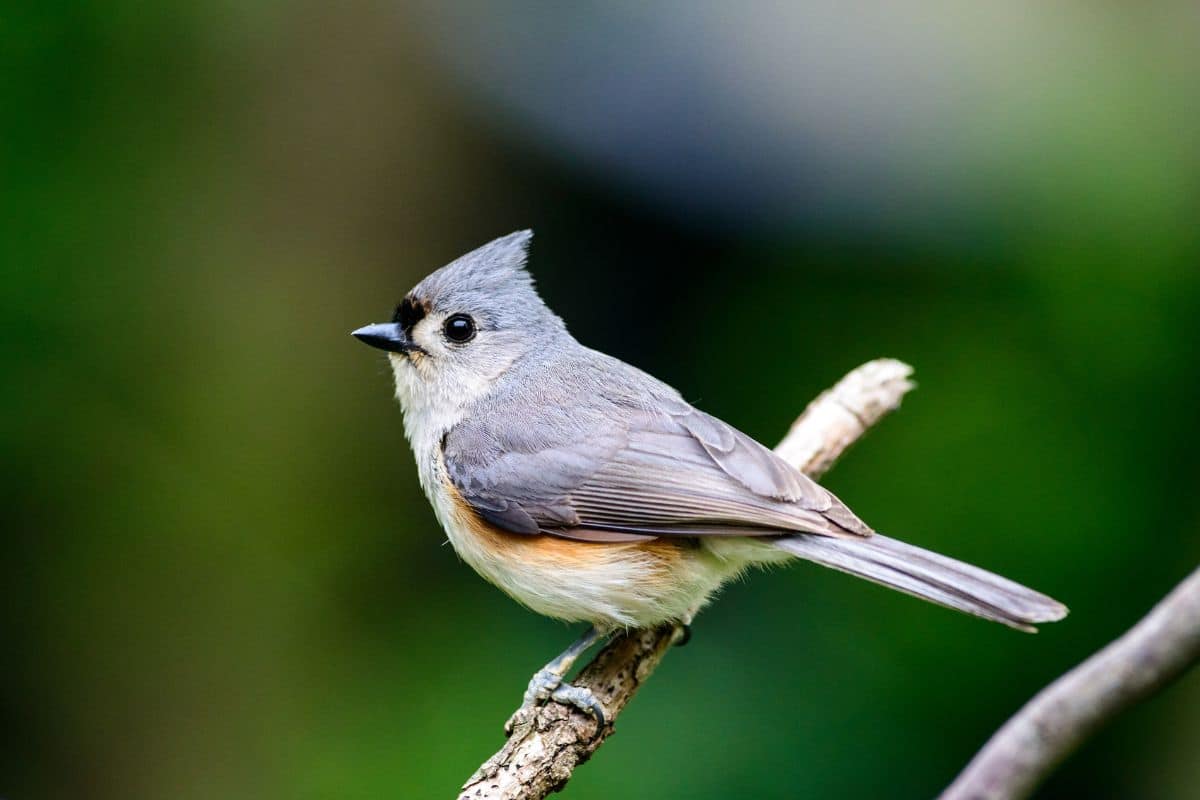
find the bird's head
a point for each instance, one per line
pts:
(463, 326)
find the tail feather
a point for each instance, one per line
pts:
(930, 576)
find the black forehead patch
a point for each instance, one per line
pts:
(409, 313)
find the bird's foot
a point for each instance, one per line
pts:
(683, 634)
(548, 685)
(541, 686)
(582, 698)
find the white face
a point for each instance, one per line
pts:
(458, 361)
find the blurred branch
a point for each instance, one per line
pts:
(1149, 656)
(549, 742)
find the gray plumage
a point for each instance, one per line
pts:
(567, 442)
(618, 450)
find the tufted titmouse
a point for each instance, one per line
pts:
(590, 491)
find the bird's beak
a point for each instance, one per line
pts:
(386, 336)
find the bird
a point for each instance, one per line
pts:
(589, 491)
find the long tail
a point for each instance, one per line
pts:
(929, 576)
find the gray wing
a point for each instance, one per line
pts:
(618, 473)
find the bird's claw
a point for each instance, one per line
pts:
(541, 686)
(547, 685)
(583, 699)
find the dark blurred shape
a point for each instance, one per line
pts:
(799, 114)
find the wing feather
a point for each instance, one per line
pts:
(639, 474)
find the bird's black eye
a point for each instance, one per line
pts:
(459, 328)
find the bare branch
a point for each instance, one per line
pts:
(1064, 714)
(842, 414)
(548, 743)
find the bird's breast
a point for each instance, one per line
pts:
(612, 585)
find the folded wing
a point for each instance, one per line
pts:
(638, 474)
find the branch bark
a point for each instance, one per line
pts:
(547, 745)
(1058, 719)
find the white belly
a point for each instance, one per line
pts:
(609, 585)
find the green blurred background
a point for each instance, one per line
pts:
(220, 578)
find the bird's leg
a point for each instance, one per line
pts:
(547, 684)
(549, 677)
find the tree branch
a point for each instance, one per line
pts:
(548, 743)
(1149, 656)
